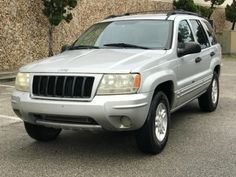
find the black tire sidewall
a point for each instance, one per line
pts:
(216, 78)
(146, 136)
(160, 97)
(205, 101)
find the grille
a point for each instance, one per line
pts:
(63, 86)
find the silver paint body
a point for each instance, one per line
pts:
(189, 79)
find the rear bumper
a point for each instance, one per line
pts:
(105, 110)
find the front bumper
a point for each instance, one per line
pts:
(105, 110)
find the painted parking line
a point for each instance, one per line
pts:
(10, 117)
(7, 93)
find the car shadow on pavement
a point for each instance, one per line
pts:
(189, 111)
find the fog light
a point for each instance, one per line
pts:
(125, 121)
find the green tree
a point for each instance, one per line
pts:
(56, 11)
(230, 12)
(204, 11)
(187, 5)
(214, 3)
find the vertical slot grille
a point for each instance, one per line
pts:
(63, 86)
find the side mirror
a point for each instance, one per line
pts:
(189, 48)
(65, 47)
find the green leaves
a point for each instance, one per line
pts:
(217, 2)
(230, 12)
(204, 11)
(58, 10)
(187, 5)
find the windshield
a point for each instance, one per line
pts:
(145, 34)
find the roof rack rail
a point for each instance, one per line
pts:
(168, 12)
(113, 16)
(139, 12)
(148, 11)
(183, 12)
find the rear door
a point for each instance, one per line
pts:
(203, 66)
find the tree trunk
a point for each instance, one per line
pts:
(233, 25)
(211, 8)
(209, 16)
(50, 40)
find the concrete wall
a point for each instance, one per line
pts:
(23, 28)
(229, 42)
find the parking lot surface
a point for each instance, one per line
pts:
(200, 144)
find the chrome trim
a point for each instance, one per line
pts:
(194, 86)
(69, 126)
(130, 106)
(180, 106)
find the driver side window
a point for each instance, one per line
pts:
(184, 34)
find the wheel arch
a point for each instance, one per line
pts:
(168, 88)
(217, 69)
(165, 81)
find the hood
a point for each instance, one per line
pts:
(96, 61)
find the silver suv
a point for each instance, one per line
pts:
(128, 72)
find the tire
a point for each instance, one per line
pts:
(41, 133)
(209, 100)
(150, 138)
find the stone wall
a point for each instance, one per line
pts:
(23, 27)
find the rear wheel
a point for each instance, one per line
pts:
(152, 137)
(209, 100)
(41, 133)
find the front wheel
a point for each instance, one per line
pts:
(152, 137)
(41, 133)
(209, 100)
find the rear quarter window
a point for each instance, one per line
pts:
(210, 32)
(200, 34)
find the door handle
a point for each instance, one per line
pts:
(198, 59)
(212, 54)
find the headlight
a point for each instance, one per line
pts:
(22, 82)
(119, 84)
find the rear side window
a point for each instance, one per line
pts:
(184, 33)
(210, 32)
(200, 34)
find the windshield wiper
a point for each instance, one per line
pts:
(84, 47)
(126, 45)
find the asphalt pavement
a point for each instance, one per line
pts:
(200, 144)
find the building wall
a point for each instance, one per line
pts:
(23, 28)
